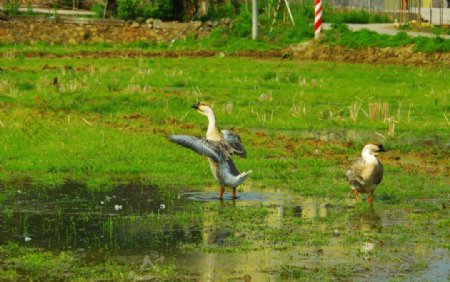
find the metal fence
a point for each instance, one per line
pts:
(387, 5)
(436, 12)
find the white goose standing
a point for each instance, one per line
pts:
(218, 150)
(366, 172)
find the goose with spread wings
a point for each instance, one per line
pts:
(218, 149)
(366, 173)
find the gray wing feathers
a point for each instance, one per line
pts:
(233, 169)
(353, 179)
(353, 175)
(378, 177)
(235, 142)
(217, 151)
(200, 146)
(358, 166)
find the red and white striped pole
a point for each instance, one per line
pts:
(318, 18)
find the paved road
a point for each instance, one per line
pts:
(389, 29)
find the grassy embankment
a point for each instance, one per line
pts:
(237, 37)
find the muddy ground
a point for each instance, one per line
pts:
(397, 56)
(305, 51)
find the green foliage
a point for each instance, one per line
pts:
(222, 11)
(98, 9)
(127, 9)
(283, 34)
(132, 9)
(242, 26)
(160, 9)
(305, 10)
(353, 16)
(55, 10)
(440, 30)
(288, 34)
(437, 44)
(11, 7)
(340, 35)
(29, 11)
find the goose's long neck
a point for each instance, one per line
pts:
(368, 157)
(212, 133)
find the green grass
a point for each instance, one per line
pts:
(340, 35)
(75, 133)
(353, 16)
(111, 116)
(37, 264)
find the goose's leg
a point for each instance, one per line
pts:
(356, 193)
(234, 193)
(370, 199)
(222, 190)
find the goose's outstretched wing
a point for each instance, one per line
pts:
(200, 146)
(235, 142)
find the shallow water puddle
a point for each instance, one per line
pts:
(73, 217)
(265, 235)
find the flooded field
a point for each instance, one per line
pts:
(264, 235)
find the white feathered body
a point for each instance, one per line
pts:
(365, 174)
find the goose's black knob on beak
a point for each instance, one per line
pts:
(195, 106)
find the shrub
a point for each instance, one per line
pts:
(295, 34)
(358, 16)
(127, 9)
(242, 26)
(131, 9)
(98, 9)
(437, 44)
(29, 11)
(11, 7)
(223, 11)
(161, 9)
(340, 35)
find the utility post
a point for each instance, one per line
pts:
(255, 20)
(317, 18)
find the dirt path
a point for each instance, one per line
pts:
(306, 51)
(396, 56)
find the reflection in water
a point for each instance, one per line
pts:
(74, 218)
(282, 208)
(252, 236)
